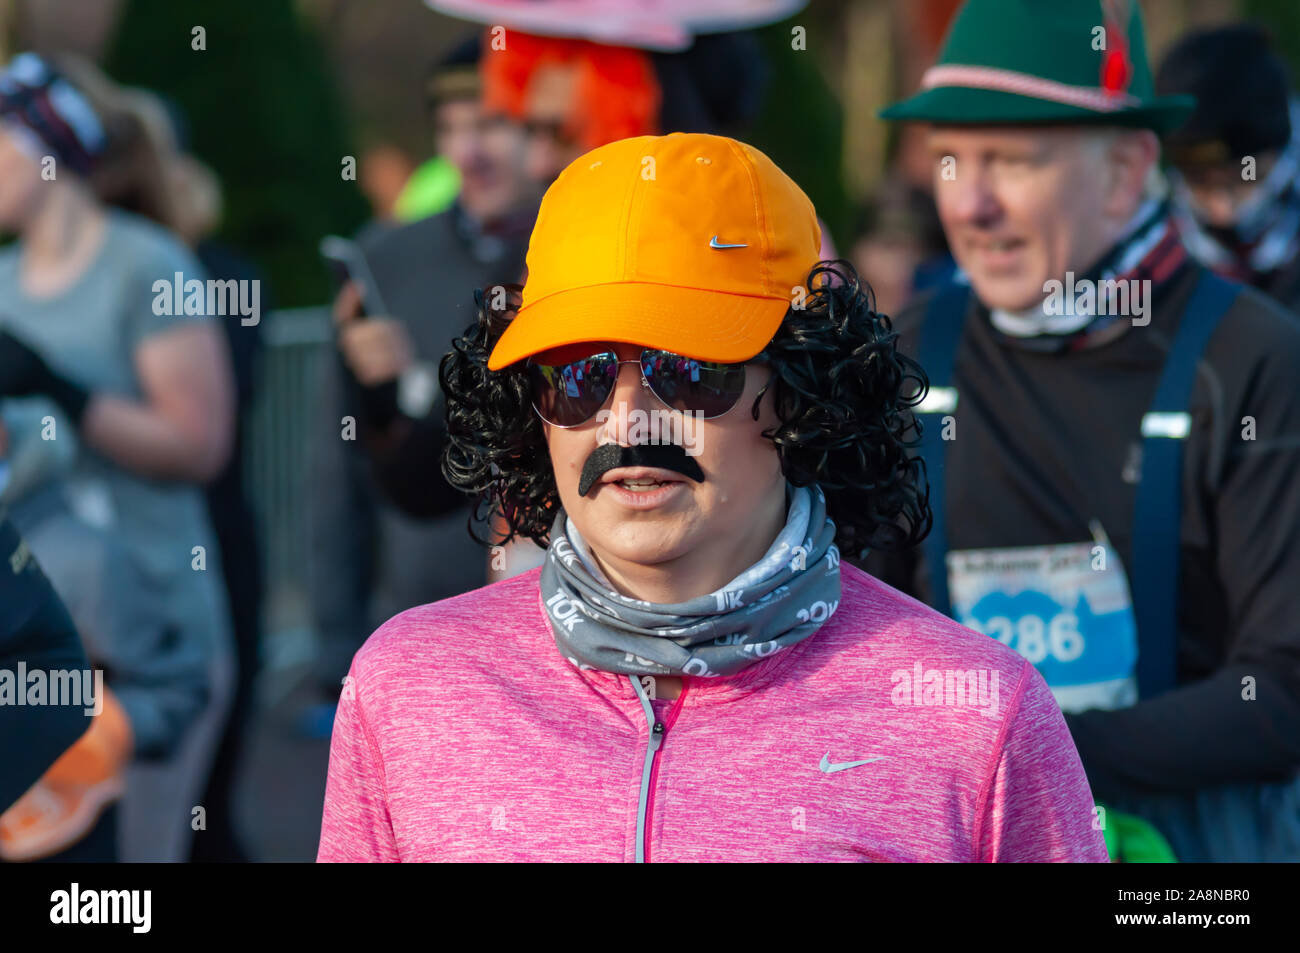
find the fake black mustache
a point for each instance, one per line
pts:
(611, 456)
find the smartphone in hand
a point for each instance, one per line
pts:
(346, 263)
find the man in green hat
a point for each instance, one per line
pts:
(1112, 433)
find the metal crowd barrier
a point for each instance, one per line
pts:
(277, 455)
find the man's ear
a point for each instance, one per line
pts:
(1131, 155)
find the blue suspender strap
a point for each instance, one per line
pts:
(940, 336)
(1158, 507)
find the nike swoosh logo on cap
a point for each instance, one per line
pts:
(828, 768)
(714, 243)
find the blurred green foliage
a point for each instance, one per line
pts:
(1282, 18)
(801, 128)
(264, 113)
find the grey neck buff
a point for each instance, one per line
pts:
(779, 601)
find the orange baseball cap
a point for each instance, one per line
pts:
(686, 242)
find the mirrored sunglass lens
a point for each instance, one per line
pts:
(686, 384)
(568, 394)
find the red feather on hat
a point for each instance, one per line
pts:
(1116, 67)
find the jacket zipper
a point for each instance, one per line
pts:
(650, 766)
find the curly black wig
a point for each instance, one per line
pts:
(842, 392)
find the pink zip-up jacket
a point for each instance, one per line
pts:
(891, 734)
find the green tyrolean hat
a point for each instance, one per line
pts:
(1077, 62)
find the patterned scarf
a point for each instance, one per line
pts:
(779, 601)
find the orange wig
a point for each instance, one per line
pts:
(617, 93)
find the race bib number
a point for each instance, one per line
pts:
(1067, 609)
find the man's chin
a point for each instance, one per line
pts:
(1007, 294)
(486, 204)
(647, 539)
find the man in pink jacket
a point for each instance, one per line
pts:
(693, 674)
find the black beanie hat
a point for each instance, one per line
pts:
(454, 75)
(1241, 89)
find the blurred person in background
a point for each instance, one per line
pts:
(383, 173)
(572, 95)
(37, 634)
(148, 392)
(901, 249)
(185, 196)
(370, 560)
(1236, 161)
(197, 208)
(155, 684)
(1112, 466)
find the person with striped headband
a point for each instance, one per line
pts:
(46, 116)
(1112, 434)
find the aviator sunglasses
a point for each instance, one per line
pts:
(567, 395)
